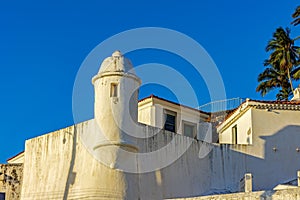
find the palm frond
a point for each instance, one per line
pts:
(296, 16)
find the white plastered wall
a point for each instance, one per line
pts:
(244, 130)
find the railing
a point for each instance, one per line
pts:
(222, 105)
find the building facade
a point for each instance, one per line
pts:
(157, 149)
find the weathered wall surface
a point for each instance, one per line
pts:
(230, 165)
(58, 165)
(183, 166)
(289, 194)
(267, 124)
(275, 141)
(11, 180)
(146, 114)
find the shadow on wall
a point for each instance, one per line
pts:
(282, 155)
(223, 168)
(219, 171)
(280, 164)
(267, 195)
(71, 173)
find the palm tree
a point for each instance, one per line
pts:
(296, 72)
(274, 77)
(296, 16)
(284, 52)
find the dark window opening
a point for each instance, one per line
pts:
(170, 121)
(234, 134)
(2, 196)
(114, 90)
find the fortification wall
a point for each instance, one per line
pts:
(288, 194)
(11, 180)
(59, 166)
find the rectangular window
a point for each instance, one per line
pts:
(234, 134)
(2, 196)
(170, 121)
(189, 129)
(114, 90)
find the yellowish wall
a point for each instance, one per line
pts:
(55, 168)
(58, 166)
(11, 180)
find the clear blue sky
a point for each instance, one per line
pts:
(43, 44)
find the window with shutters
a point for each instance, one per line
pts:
(170, 121)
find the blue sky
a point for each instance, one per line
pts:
(43, 44)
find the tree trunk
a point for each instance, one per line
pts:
(289, 76)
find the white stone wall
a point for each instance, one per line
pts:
(58, 165)
(145, 114)
(288, 194)
(273, 152)
(244, 130)
(153, 114)
(270, 123)
(276, 137)
(116, 113)
(186, 175)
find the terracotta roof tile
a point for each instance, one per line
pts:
(261, 101)
(14, 156)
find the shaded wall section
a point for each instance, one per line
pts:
(58, 166)
(289, 194)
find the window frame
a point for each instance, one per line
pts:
(234, 134)
(171, 113)
(194, 125)
(114, 89)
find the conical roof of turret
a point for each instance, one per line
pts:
(116, 63)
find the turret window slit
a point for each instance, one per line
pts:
(114, 90)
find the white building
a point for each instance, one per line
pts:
(162, 151)
(167, 115)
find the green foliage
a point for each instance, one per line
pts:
(296, 16)
(283, 49)
(271, 78)
(281, 66)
